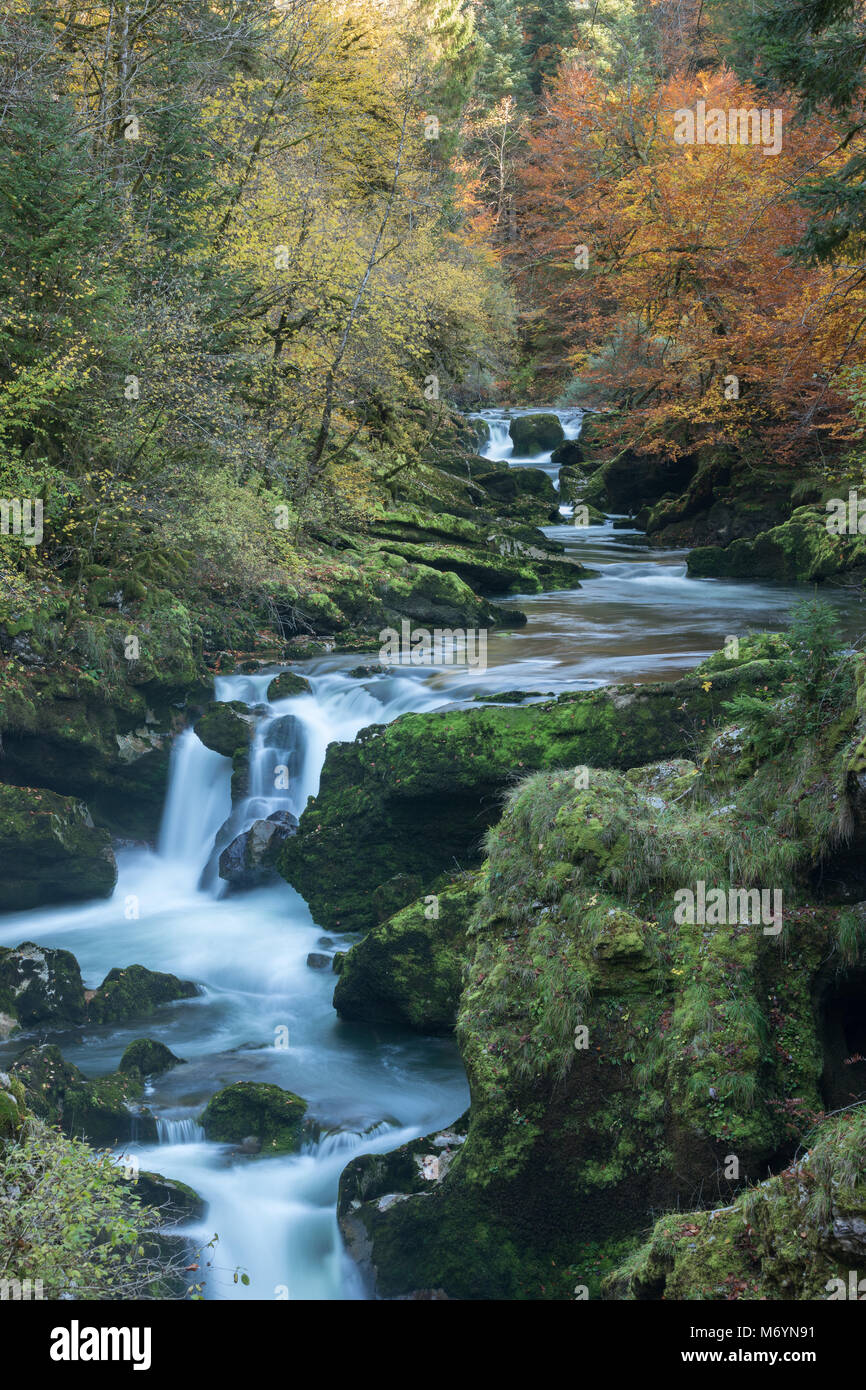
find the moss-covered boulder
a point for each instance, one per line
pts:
(226, 727)
(409, 969)
(798, 1235)
(104, 739)
(492, 558)
(256, 1109)
(623, 1054)
(800, 550)
(174, 1200)
(286, 684)
(39, 985)
(416, 796)
(135, 992)
(373, 1184)
(105, 1111)
(148, 1058)
(57, 852)
(535, 434)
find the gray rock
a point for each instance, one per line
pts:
(317, 961)
(248, 860)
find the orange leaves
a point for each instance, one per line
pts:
(688, 301)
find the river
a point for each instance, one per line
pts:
(264, 1014)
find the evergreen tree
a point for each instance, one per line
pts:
(816, 51)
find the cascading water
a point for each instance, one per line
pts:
(499, 446)
(369, 1089)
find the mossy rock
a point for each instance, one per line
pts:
(800, 550)
(288, 683)
(252, 1108)
(58, 853)
(135, 992)
(416, 796)
(408, 970)
(535, 434)
(617, 1055)
(148, 1058)
(794, 1236)
(39, 985)
(105, 1111)
(226, 727)
(174, 1200)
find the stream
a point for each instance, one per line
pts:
(264, 1014)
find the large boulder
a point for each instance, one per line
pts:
(135, 992)
(624, 1055)
(409, 969)
(288, 683)
(226, 727)
(411, 799)
(148, 1058)
(39, 985)
(256, 1109)
(57, 853)
(105, 1111)
(536, 434)
(250, 858)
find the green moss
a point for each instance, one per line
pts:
(135, 992)
(409, 969)
(226, 727)
(273, 1116)
(288, 683)
(148, 1058)
(105, 1111)
(416, 796)
(58, 853)
(788, 1238)
(535, 434)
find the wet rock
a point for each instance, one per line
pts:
(363, 672)
(174, 1200)
(408, 970)
(250, 1145)
(226, 727)
(421, 791)
(57, 852)
(39, 985)
(249, 860)
(288, 683)
(105, 1111)
(252, 1109)
(135, 992)
(536, 434)
(317, 961)
(148, 1058)
(569, 453)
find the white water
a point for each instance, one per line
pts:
(370, 1089)
(500, 447)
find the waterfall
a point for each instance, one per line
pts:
(499, 446)
(179, 1131)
